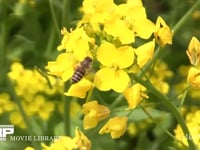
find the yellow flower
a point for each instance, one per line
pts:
(115, 126)
(163, 34)
(196, 15)
(79, 89)
(77, 42)
(16, 119)
(63, 66)
(5, 103)
(112, 76)
(118, 29)
(192, 122)
(96, 6)
(160, 73)
(194, 77)
(80, 141)
(40, 106)
(193, 51)
(134, 95)
(94, 113)
(29, 148)
(63, 143)
(145, 53)
(23, 79)
(16, 71)
(137, 19)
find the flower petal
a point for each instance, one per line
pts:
(79, 89)
(120, 81)
(163, 34)
(115, 126)
(194, 77)
(145, 53)
(193, 51)
(103, 79)
(134, 95)
(63, 66)
(149, 28)
(106, 54)
(118, 29)
(125, 56)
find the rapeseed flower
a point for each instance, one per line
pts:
(193, 51)
(32, 89)
(193, 77)
(6, 105)
(145, 53)
(112, 76)
(159, 76)
(16, 119)
(109, 33)
(79, 89)
(93, 114)
(115, 126)
(192, 122)
(136, 20)
(63, 143)
(76, 42)
(42, 107)
(80, 141)
(163, 34)
(135, 94)
(63, 67)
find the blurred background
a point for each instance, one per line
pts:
(30, 34)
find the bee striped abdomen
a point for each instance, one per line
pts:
(81, 70)
(78, 75)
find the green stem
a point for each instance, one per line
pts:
(183, 99)
(50, 43)
(187, 15)
(67, 124)
(89, 95)
(3, 42)
(116, 101)
(23, 113)
(173, 109)
(66, 12)
(66, 116)
(54, 17)
(43, 74)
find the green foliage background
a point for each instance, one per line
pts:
(31, 33)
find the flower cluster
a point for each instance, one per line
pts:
(94, 113)
(193, 78)
(33, 90)
(107, 33)
(111, 35)
(80, 141)
(192, 122)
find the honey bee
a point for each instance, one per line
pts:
(81, 70)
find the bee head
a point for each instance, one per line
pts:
(88, 59)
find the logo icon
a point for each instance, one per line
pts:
(5, 130)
